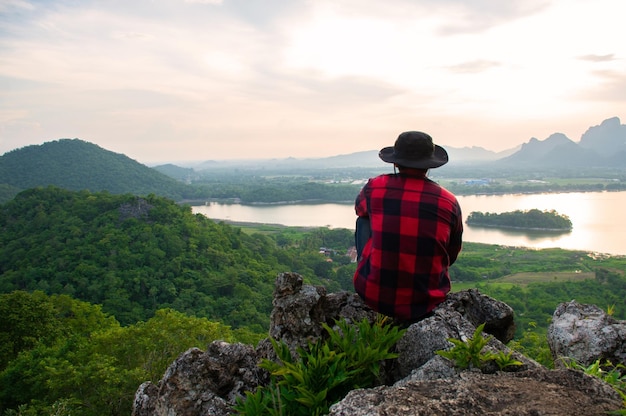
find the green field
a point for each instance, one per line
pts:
(545, 277)
(525, 278)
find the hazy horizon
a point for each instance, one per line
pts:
(252, 159)
(189, 80)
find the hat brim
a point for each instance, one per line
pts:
(438, 158)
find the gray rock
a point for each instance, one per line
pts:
(300, 310)
(469, 393)
(477, 308)
(585, 334)
(456, 318)
(202, 383)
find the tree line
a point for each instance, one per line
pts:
(78, 165)
(532, 219)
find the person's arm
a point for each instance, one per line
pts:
(454, 248)
(362, 231)
(360, 204)
(362, 234)
(456, 238)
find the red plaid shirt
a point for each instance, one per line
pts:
(416, 235)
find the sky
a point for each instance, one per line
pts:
(188, 80)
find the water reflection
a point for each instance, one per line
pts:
(595, 216)
(532, 235)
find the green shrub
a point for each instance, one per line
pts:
(469, 353)
(534, 344)
(324, 372)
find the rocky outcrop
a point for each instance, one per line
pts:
(456, 318)
(419, 382)
(530, 392)
(202, 383)
(586, 334)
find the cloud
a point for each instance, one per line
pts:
(598, 58)
(204, 1)
(477, 16)
(7, 6)
(480, 65)
(611, 87)
(324, 76)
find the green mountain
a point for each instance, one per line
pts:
(177, 172)
(77, 165)
(134, 255)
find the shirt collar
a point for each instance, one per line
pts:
(414, 173)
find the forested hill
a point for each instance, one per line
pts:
(78, 165)
(135, 255)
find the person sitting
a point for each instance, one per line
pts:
(414, 236)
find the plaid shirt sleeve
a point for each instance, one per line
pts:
(417, 232)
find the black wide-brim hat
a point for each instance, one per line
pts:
(415, 149)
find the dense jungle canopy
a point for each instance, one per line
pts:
(100, 292)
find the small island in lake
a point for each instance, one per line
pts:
(533, 219)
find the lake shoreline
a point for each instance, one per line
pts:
(237, 201)
(512, 227)
(592, 215)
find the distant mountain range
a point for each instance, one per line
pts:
(78, 165)
(363, 159)
(600, 146)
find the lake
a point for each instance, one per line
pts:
(596, 218)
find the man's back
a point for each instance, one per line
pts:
(416, 234)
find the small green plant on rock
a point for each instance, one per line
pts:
(324, 372)
(505, 360)
(469, 353)
(610, 310)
